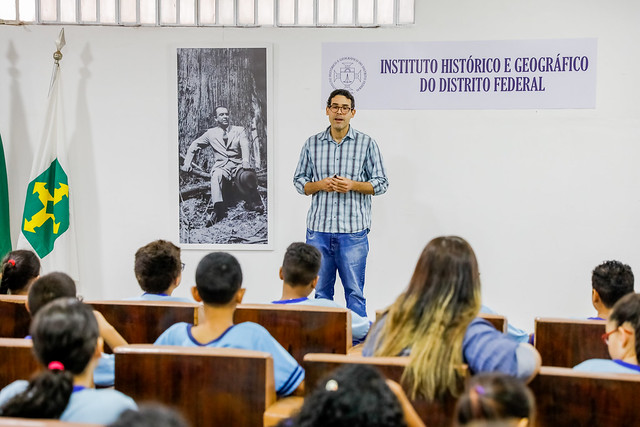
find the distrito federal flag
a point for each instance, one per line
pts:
(47, 223)
(5, 230)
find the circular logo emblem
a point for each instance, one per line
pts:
(347, 73)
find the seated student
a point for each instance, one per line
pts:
(66, 341)
(622, 337)
(218, 281)
(610, 281)
(435, 321)
(59, 285)
(495, 397)
(356, 395)
(153, 415)
(19, 269)
(299, 273)
(159, 271)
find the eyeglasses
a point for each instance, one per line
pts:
(344, 109)
(182, 264)
(605, 336)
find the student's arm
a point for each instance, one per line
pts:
(410, 415)
(288, 374)
(487, 350)
(108, 332)
(299, 391)
(529, 361)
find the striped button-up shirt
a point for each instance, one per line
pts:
(356, 157)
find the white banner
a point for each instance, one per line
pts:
(512, 74)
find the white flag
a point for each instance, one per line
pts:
(47, 224)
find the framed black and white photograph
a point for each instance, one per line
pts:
(223, 147)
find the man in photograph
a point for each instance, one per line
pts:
(341, 168)
(231, 168)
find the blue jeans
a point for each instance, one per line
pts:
(346, 253)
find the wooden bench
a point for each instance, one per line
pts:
(302, 329)
(498, 321)
(567, 342)
(14, 317)
(565, 397)
(142, 322)
(209, 386)
(434, 413)
(17, 361)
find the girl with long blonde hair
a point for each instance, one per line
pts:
(434, 322)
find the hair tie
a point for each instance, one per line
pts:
(474, 399)
(12, 262)
(53, 366)
(332, 385)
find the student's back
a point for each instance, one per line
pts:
(299, 275)
(622, 338)
(66, 342)
(56, 285)
(434, 320)
(218, 281)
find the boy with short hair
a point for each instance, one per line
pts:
(218, 286)
(47, 288)
(158, 270)
(57, 285)
(610, 281)
(299, 273)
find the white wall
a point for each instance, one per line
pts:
(542, 195)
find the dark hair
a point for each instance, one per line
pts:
(627, 309)
(65, 331)
(352, 396)
(218, 278)
(494, 396)
(612, 280)
(48, 288)
(19, 268)
(301, 264)
(150, 416)
(344, 93)
(157, 265)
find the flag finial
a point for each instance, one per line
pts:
(60, 42)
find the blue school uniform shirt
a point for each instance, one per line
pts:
(105, 373)
(247, 336)
(615, 366)
(359, 325)
(86, 405)
(158, 297)
(484, 349)
(515, 334)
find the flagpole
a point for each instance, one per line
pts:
(57, 56)
(47, 222)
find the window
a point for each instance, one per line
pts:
(235, 13)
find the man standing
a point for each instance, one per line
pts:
(341, 168)
(231, 163)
